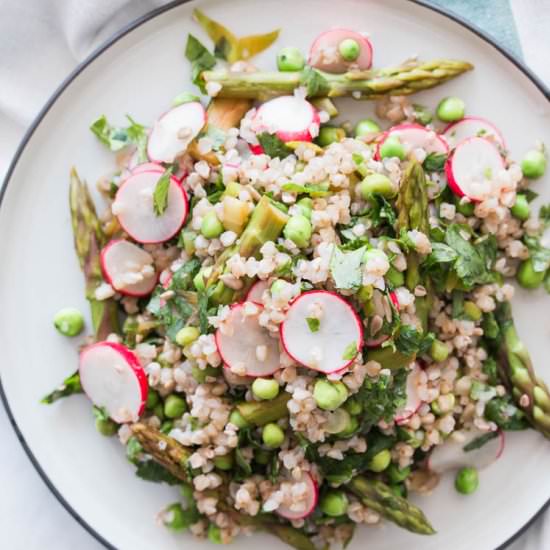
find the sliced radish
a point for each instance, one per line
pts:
(289, 117)
(472, 166)
(174, 131)
(243, 343)
(414, 136)
(165, 278)
(337, 341)
(133, 206)
(128, 268)
(472, 126)
(256, 291)
(451, 455)
(324, 53)
(413, 403)
(112, 377)
(301, 509)
(148, 167)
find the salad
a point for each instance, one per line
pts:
(300, 322)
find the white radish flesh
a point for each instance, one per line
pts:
(325, 56)
(451, 455)
(174, 131)
(332, 347)
(289, 117)
(128, 268)
(134, 208)
(413, 403)
(472, 126)
(112, 377)
(471, 167)
(148, 167)
(243, 343)
(301, 509)
(415, 136)
(256, 291)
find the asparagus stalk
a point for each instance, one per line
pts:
(70, 386)
(405, 79)
(259, 413)
(88, 241)
(390, 358)
(530, 392)
(379, 497)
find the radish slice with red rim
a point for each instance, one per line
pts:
(289, 117)
(128, 268)
(472, 126)
(174, 131)
(414, 380)
(337, 340)
(256, 291)
(133, 206)
(452, 456)
(112, 378)
(472, 166)
(325, 56)
(300, 509)
(414, 136)
(244, 344)
(155, 167)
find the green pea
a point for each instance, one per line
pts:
(377, 183)
(224, 462)
(265, 388)
(153, 399)
(298, 229)
(439, 351)
(237, 419)
(272, 435)
(329, 395)
(290, 59)
(330, 134)
(521, 209)
(353, 406)
(211, 226)
(366, 127)
(334, 504)
(527, 277)
(396, 474)
(199, 278)
(200, 375)
(174, 406)
(450, 109)
(350, 429)
(436, 409)
(159, 411)
(349, 49)
(472, 311)
(214, 534)
(465, 208)
(69, 321)
(392, 147)
(184, 97)
(305, 206)
(261, 456)
(175, 517)
(188, 239)
(106, 427)
(395, 277)
(187, 335)
(533, 164)
(467, 481)
(380, 461)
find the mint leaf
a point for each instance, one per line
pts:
(116, 138)
(539, 254)
(350, 352)
(441, 254)
(153, 471)
(410, 341)
(160, 195)
(273, 146)
(137, 134)
(313, 323)
(434, 162)
(201, 60)
(315, 83)
(345, 268)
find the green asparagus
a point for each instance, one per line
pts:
(405, 79)
(530, 392)
(259, 413)
(70, 386)
(379, 497)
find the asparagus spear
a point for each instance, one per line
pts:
(88, 241)
(378, 496)
(259, 413)
(530, 392)
(390, 358)
(405, 79)
(70, 385)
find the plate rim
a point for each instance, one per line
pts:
(66, 82)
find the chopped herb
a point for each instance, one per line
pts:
(490, 326)
(544, 214)
(481, 392)
(243, 466)
(410, 341)
(117, 138)
(313, 323)
(490, 368)
(312, 189)
(70, 386)
(458, 304)
(530, 195)
(100, 413)
(345, 268)
(203, 312)
(200, 58)
(350, 352)
(505, 414)
(434, 162)
(153, 471)
(133, 449)
(380, 212)
(183, 277)
(315, 83)
(539, 254)
(273, 146)
(160, 195)
(478, 442)
(172, 314)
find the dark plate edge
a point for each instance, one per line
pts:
(74, 74)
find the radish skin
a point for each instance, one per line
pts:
(472, 126)
(311, 502)
(256, 291)
(414, 136)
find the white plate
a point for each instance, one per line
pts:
(139, 73)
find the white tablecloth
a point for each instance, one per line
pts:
(40, 43)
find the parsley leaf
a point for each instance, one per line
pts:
(505, 414)
(172, 314)
(345, 268)
(315, 83)
(313, 323)
(351, 351)
(441, 253)
(434, 162)
(117, 138)
(153, 471)
(273, 146)
(410, 341)
(539, 254)
(201, 60)
(380, 212)
(160, 194)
